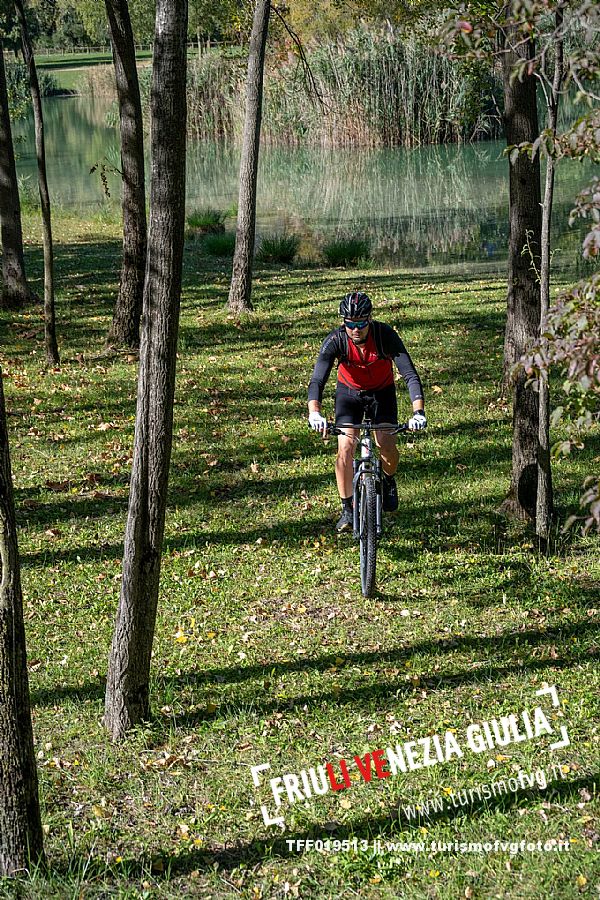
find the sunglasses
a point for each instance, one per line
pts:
(351, 325)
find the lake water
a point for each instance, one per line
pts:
(429, 206)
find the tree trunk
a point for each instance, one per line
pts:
(15, 290)
(523, 298)
(241, 278)
(544, 507)
(21, 842)
(51, 345)
(127, 688)
(125, 327)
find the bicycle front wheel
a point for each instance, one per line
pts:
(368, 534)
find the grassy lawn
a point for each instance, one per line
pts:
(69, 80)
(265, 651)
(77, 60)
(69, 71)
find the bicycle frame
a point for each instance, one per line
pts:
(367, 465)
(367, 496)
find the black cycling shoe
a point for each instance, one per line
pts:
(390, 493)
(345, 521)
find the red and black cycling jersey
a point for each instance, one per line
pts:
(369, 371)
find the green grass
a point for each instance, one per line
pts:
(68, 80)
(219, 245)
(78, 60)
(69, 70)
(265, 650)
(278, 248)
(206, 220)
(346, 252)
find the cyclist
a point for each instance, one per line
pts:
(364, 349)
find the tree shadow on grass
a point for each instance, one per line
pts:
(290, 531)
(388, 824)
(483, 671)
(380, 692)
(393, 825)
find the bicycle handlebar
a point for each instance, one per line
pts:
(390, 429)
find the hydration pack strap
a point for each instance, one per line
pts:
(378, 342)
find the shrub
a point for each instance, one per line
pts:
(206, 221)
(28, 193)
(278, 248)
(346, 251)
(220, 244)
(17, 86)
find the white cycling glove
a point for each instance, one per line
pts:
(317, 422)
(417, 421)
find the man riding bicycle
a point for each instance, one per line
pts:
(364, 349)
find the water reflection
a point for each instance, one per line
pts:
(418, 207)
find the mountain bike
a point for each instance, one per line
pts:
(367, 498)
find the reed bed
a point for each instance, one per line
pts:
(369, 90)
(375, 91)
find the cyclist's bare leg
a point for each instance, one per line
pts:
(343, 461)
(389, 451)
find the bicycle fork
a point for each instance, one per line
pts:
(358, 469)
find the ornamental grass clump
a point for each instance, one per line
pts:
(346, 252)
(278, 248)
(206, 221)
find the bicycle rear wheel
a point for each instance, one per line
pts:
(368, 534)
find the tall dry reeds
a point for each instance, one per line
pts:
(216, 95)
(100, 82)
(376, 89)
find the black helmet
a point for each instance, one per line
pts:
(356, 305)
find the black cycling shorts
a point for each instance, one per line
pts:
(351, 406)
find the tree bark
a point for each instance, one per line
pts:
(127, 688)
(21, 841)
(125, 327)
(241, 278)
(545, 506)
(523, 298)
(15, 290)
(50, 342)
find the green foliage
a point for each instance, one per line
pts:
(17, 83)
(28, 193)
(220, 245)
(331, 20)
(278, 248)
(346, 251)
(65, 24)
(220, 19)
(571, 347)
(69, 29)
(206, 219)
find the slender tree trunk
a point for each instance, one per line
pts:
(127, 688)
(544, 507)
(15, 290)
(21, 842)
(125, 328)
(241, 278)
(51, 345)
(523, 298)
